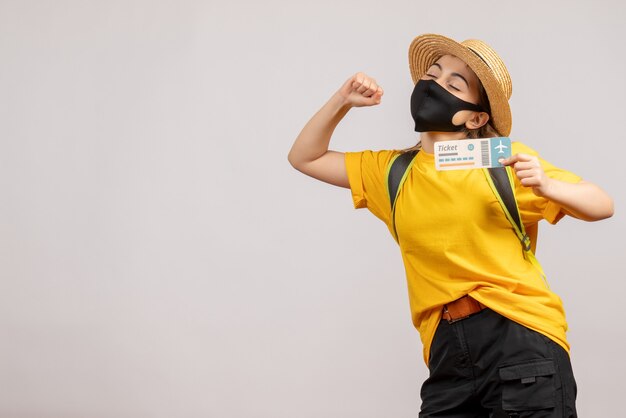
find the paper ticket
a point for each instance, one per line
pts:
(471, 153)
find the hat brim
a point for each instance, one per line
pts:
(426, 49)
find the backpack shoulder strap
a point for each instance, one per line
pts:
(501, 181)
(396, 174)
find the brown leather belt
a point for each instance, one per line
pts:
(461, 308)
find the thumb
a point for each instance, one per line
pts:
(378, 95)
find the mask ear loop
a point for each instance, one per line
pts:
(462, 126)
(469, 132)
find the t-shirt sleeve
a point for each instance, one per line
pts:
(532, 207)
(367, 173)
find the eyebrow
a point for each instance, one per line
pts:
(454, 74)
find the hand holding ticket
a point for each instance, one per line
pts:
(471, 153)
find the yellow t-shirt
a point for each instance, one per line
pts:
(456, 240)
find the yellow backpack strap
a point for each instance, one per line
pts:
(397, 171)
(500, 180)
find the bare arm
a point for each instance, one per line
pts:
(310, 154)
(583, 200)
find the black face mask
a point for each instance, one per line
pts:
(433, 107)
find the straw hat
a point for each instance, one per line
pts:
(481, 58)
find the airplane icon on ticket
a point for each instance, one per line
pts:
(501, 147)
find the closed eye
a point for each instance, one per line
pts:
(452, 87)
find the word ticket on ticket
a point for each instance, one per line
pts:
(465, 154)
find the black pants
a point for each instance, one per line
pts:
(487, 366)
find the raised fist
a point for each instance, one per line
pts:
(361, 90)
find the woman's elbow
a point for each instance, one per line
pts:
(600, 203)
(610, 209)
(604, 211)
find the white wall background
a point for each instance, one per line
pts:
(159, 257)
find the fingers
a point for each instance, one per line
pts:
(520, 166)
(529, 177)
(531, 181)
(521, 162)
(361, 90)
(524, 165)
(516, 158)
(366, 86)
(528, 170)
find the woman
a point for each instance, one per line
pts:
(493, 332)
